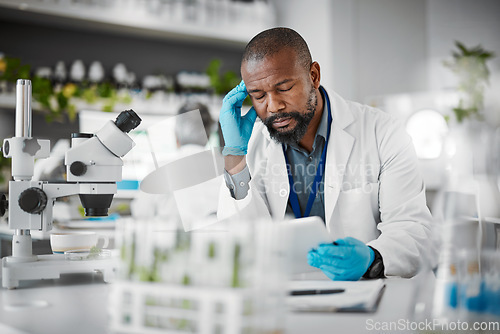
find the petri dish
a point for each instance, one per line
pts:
(87, 255)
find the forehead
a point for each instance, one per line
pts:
(258, 74)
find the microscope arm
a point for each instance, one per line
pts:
(57, 190)
(31, 202)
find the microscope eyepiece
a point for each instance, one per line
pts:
(127, 120)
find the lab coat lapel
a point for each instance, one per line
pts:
(339, 150)
(278, 189)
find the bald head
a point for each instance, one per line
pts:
(272, 41)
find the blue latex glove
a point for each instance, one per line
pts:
(345, 260)
(235, 128)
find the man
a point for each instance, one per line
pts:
(315, 153)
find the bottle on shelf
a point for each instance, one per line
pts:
(96, 72)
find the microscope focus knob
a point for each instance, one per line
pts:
(78, 168)
(32, 200)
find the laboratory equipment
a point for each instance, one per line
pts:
(93, 166)
(227, 277)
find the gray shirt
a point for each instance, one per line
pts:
(304, 166)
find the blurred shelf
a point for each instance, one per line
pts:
(165, 105)
(234, 27)
(159, 104)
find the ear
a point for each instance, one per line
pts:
(315, 74)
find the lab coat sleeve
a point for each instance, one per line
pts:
(252, 207)
(255, 205)
(405, 242)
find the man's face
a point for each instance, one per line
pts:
(282, 93)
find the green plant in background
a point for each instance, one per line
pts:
(473, 74)
(235, 281)
(12, 69)
(4, 163)
(104, 92)
(222, 83)
(54, 102)
(59, 100)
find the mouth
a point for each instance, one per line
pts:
(282, 122)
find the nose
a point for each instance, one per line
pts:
(274, 103)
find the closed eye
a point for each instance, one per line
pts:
(286, 89)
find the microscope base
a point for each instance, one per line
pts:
(51, 267)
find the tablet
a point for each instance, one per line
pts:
(302, 235)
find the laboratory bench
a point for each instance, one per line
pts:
(78, 303)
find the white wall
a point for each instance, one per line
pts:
(379, 47)
(312, 20)
(364, 47)
(382, 47)
(345, 48)
(472, 23)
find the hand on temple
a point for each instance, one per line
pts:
(236, 129)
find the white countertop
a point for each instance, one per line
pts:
(73, 304)
(78, 304)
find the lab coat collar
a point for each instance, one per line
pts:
(341, 112)
(338, 153)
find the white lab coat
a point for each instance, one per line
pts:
(373, 188)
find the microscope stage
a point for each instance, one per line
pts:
(51, 266)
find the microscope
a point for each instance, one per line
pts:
(93, 166)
